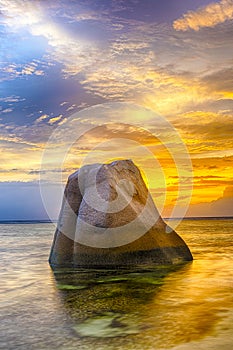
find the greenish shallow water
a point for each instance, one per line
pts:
(180, 308)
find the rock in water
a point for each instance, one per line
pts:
(108, 219)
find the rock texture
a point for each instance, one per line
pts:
(108, 218)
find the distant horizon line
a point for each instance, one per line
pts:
(45, 221)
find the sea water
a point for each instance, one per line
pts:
(183, 307)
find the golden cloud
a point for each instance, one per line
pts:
(228, 192)
(55, 119)
(208, 16)
(207, 134)
(41, 118)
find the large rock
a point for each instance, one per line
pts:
(108, 218)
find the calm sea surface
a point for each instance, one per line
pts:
(180, 308)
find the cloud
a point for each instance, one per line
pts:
(133, 64)
(208, 16)
(11, 99)
(55, 119)
(96, 61)
(63, 103)
(35, 19)
(23, 146)
(86, 16)
(220, 82)
(228, 192)
(7, 110)
(17, 14)
(12, 71)
(223, 206)
(207, 134)
(29, 70)
(71, 108)
(41, 118)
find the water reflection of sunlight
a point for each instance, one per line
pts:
(166, 308)
(190, 304)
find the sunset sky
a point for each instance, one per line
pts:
(172, 58)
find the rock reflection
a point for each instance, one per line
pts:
(146, 309)
(108, 303)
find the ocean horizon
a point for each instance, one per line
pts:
(46, 221)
